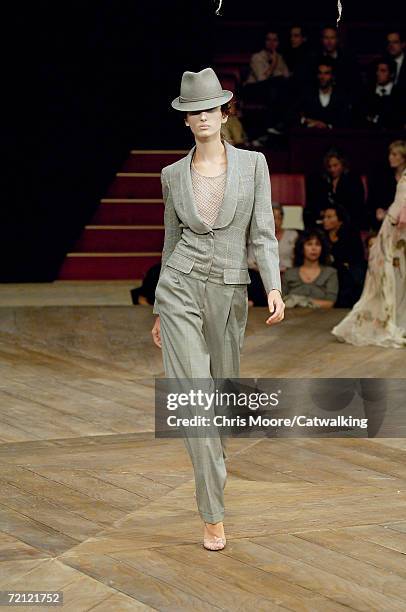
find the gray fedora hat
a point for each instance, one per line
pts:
(200, 90)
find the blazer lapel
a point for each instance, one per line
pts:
(229, 204)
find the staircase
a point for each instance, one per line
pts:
(125, 236)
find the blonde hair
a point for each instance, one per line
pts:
(400, 146)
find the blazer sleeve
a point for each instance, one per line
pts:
(262, 228)
(172, 230)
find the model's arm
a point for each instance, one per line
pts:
(172, 230)
(264, 242)
(262, 229)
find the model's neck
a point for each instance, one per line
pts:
(209, 151)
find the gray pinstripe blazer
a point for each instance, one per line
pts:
(195, 248)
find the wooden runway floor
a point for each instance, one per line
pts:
(93, 505)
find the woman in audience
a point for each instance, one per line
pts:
(311, 283)
(286, 243)
(382, 183)
(379, 317)
(336, 185)
(347, 252)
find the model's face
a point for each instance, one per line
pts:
(271, 41)
(278, 216)
(312, 249)
(329, 40)
(325, 76)
(296, 38)
(335, 167)
(205, 124)
(383, 75)
(396, 158)
(330, 220)
(394, 44)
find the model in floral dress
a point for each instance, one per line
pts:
(379, 316)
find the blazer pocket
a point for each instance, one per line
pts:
(180, 262)
(236, 276)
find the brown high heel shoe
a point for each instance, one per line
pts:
(214, 542)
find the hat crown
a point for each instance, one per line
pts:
(203, 85)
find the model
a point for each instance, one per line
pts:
(216, 199)
(379, 316)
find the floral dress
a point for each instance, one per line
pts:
(379, 316)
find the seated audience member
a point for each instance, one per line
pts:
(233, 131)
(336, 185)
(298, 52)
(322, 105)
(383, 181)
(346, 69)
(347, 252)
(267, 63)
(310, 283)
(286, 243)
(145, 295)
(381, 105)
(267, 79)
(395, 48)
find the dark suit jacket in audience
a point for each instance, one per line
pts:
(381, 193)
(349, 193)
(383, 111)
(336, 113)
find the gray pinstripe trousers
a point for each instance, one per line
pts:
(203, 322)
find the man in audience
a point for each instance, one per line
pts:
(382, 104)
(323, 105)
(347, 73)
(298, 50)
(396, 44)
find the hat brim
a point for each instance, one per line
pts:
(202, 104)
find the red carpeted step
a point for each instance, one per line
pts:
(136, 185)
(120, 238)
(152, 161)
(107, 266)
(129, 212)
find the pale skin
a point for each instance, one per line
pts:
(210, 159)
(310, 269)
(398, 163)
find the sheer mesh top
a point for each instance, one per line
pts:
(209, 194)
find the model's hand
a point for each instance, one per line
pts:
(276, 307)
(156, 332)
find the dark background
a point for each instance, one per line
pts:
(84, 82)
